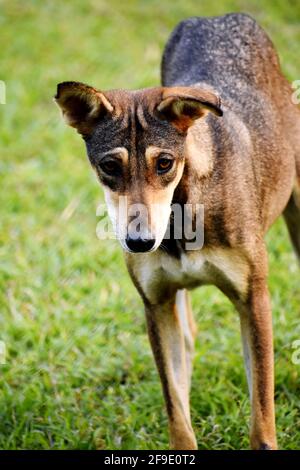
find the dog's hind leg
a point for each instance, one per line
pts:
(292, 218)
(169, 348)
(184, 308)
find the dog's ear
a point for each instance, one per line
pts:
(82, 106)
(183, 105)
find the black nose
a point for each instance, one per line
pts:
(139, 245)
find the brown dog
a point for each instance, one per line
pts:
(177, 144)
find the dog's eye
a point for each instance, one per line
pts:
(164, 164)
(111, 167)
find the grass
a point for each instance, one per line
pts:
(79, 372)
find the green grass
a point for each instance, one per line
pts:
(79, 371)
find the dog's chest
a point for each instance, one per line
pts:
(192, 269)
(187, 271)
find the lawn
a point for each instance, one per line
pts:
(79, 373)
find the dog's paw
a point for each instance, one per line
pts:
(265, 446)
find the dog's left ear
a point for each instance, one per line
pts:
(82, 106)
(183, 105)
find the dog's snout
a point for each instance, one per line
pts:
(139, 245)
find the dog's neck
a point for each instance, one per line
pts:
(199, 164)
(198, 179)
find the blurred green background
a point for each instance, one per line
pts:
(79, 372)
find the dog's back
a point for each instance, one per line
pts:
(231, 53)
(260, 129)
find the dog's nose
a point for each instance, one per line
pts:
(139, 245)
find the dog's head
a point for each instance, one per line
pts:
(135, 142)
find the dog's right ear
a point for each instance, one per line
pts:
(82, 106)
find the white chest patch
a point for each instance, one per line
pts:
(193, 269)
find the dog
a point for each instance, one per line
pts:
(221, 132)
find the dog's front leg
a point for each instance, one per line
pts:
(256, 328)
(168, 345)
(185, 313)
